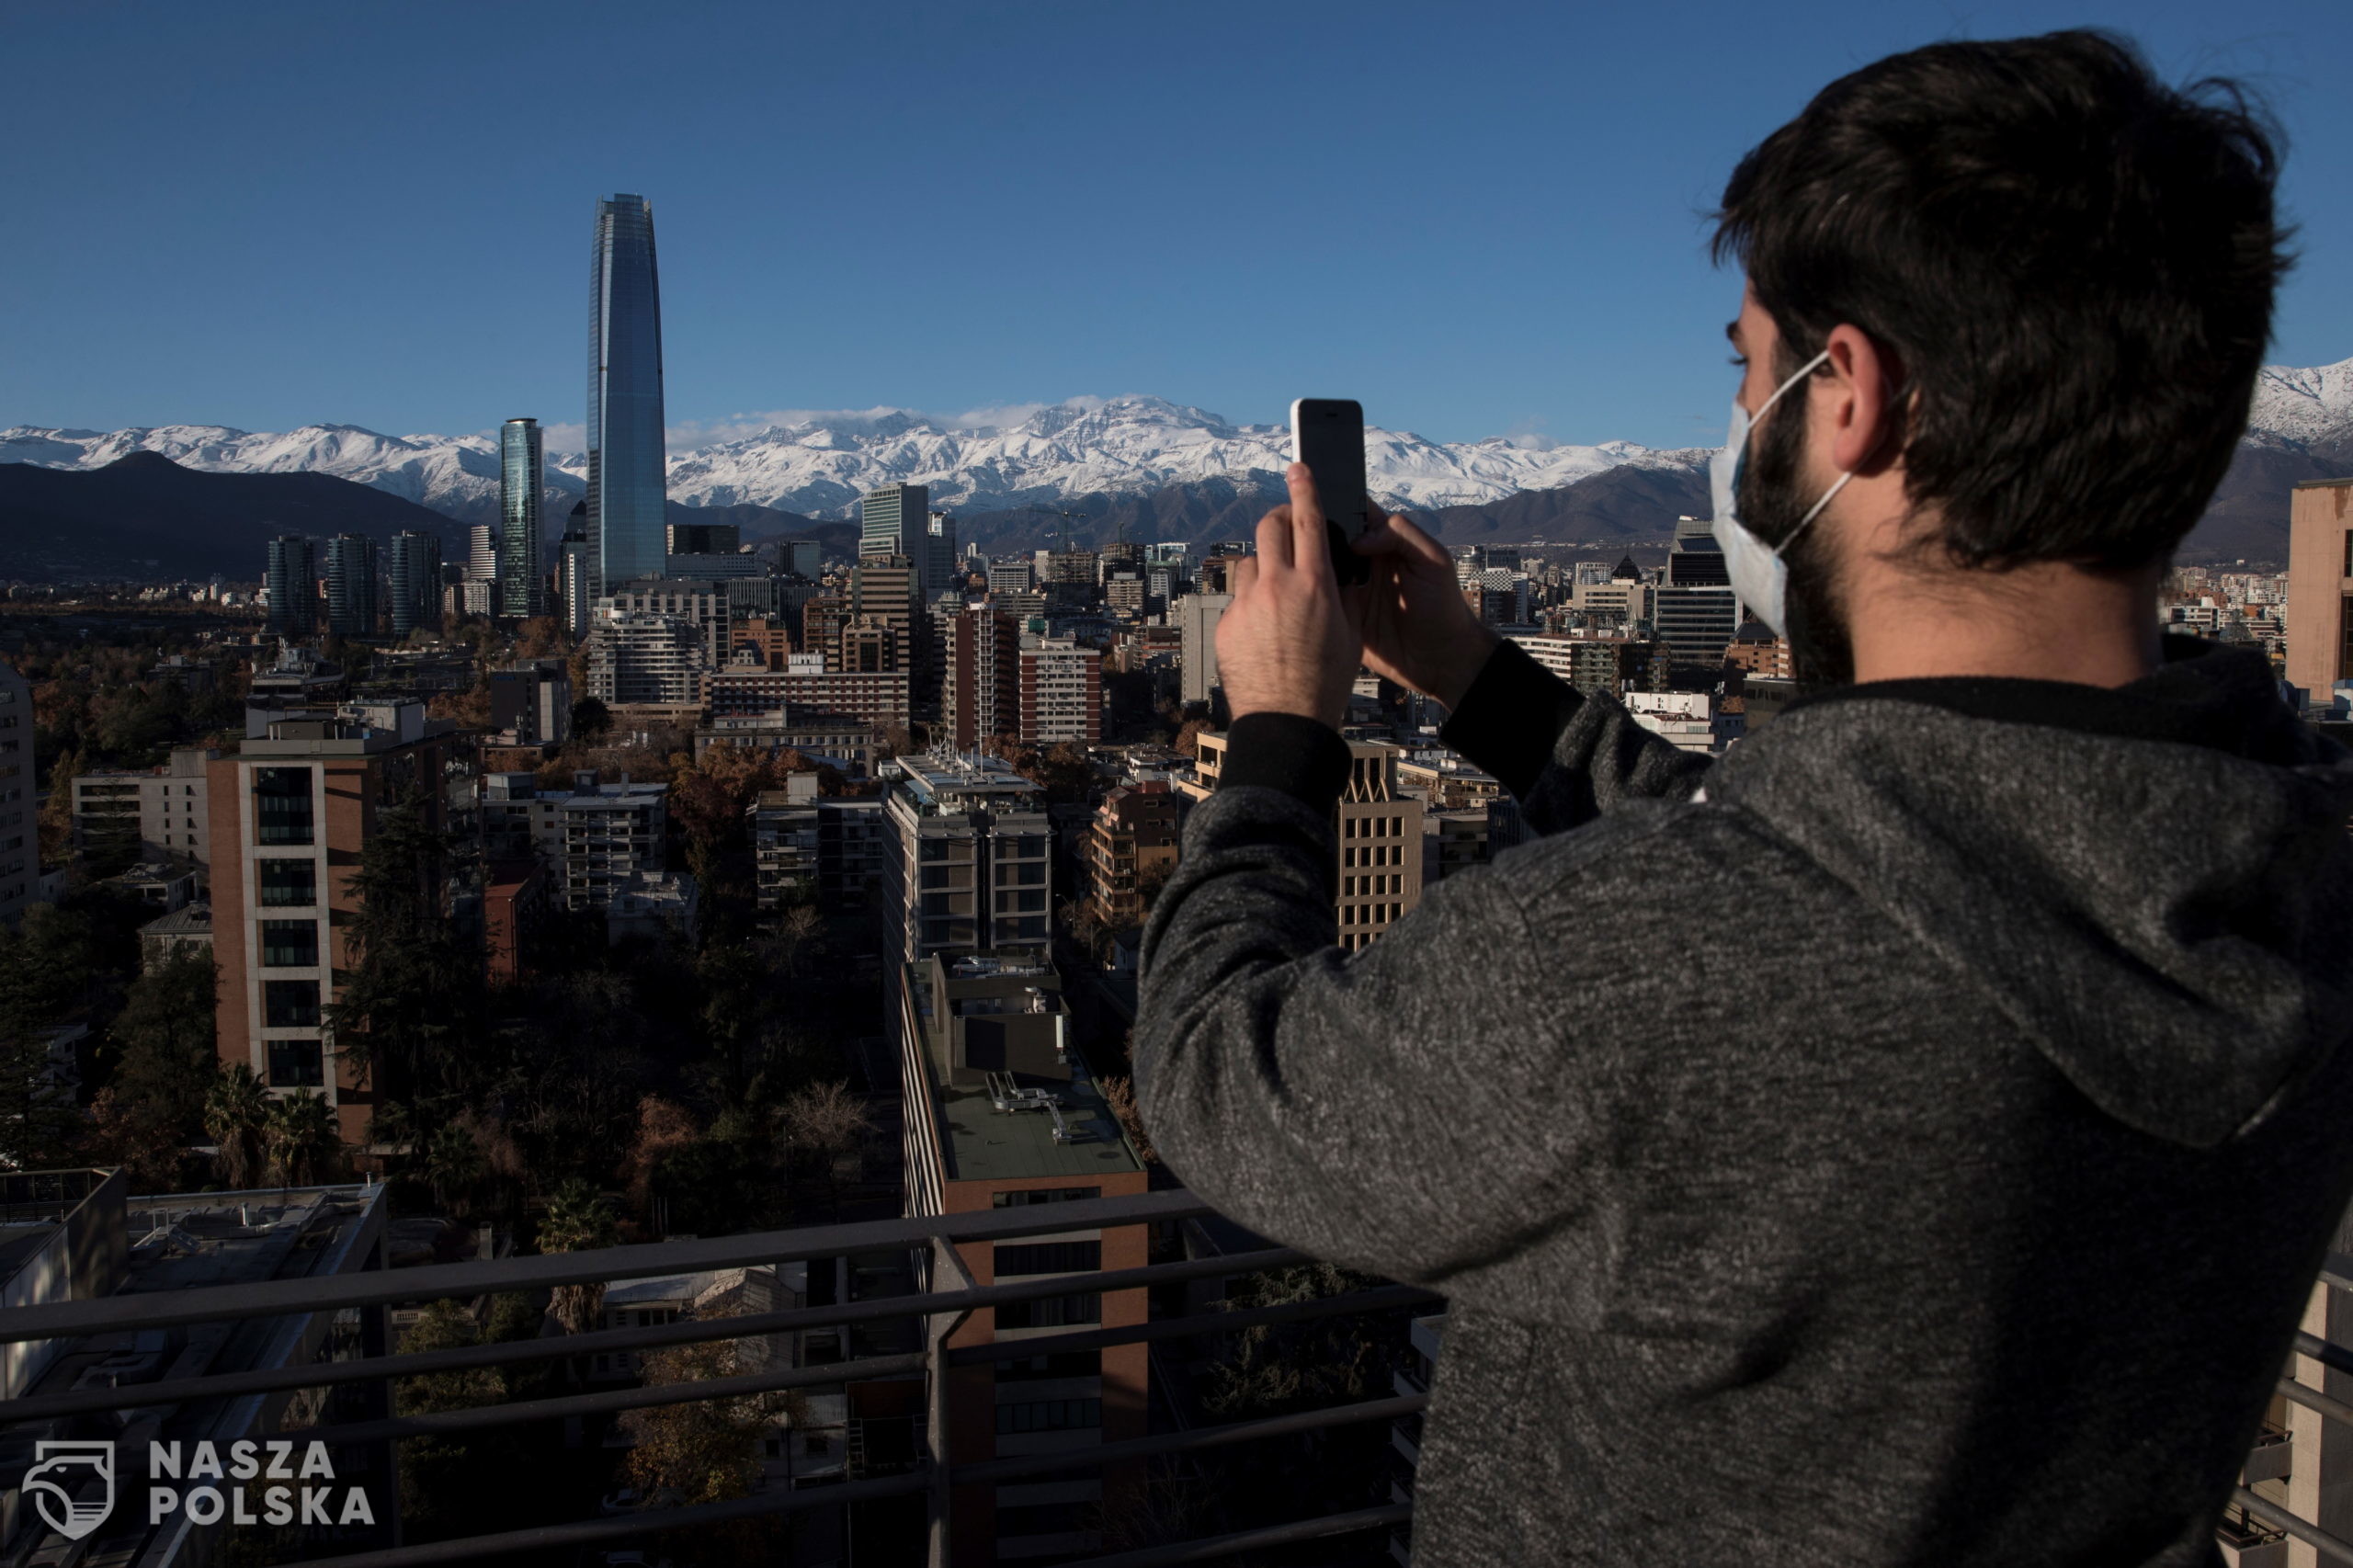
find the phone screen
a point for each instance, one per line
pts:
(1327, 435)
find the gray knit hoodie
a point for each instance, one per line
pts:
(1909, 1140)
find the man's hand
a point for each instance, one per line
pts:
(1418, 629)
(1287, 644)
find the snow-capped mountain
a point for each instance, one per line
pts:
(819, 466)
(2311, 409)
(1127, 446)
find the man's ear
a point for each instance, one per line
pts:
(1865, 415)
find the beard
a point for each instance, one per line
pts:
(1773, 498)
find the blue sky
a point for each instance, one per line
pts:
(1479, 219)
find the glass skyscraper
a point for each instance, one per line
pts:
(351, 586)
(626, 480)
(415, 568)
(519, 589)
(293, 579)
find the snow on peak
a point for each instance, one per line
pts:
(2302, 406)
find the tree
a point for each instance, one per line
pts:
(591, 720)
(708, 1451)
(237, 1110)
(414, 998)
(303, 1144)
(1119, 1094)
(578, 1219)
(154, 1106)
(453, 1165)
(826, 1122)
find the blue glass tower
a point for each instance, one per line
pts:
(416, 572)
(519, 589)
(293, 579)
(351, 586)
(627, 480)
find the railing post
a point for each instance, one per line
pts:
(940, 1326)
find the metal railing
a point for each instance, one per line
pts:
(932, 1476)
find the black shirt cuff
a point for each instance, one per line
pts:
(1511, 716)
(1303, 758)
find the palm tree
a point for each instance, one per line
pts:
(304, 1142)
(578, 1219)
(237, 1107)
(453, 1164)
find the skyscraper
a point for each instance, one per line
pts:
(292, 580)
(351, 586)
(414, 570)
(895, 520)
(576, 572)
(627, 480)
(519, 588)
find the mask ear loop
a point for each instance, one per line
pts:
(1843, 478)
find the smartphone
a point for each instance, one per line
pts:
(1327, 435)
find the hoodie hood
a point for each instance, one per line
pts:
(2155, 882)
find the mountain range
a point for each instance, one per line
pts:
(1142, 465)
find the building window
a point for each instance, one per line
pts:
(289, 1004)
(296, 1065)
(288, 884)
(289, 944)
(1054, 1312)
(282, 805)
(1050, 1415)
(1047, 1257)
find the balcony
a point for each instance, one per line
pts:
(888, 1460)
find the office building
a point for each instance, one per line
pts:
(522, 586)
(1062, 693)
(482, 553)
(290, 814)
(1610, 664)
(351, 586)
(896, 520)
(1002, 1110)
(849, 745)
(702, 538)
(1015, 576)
(576, 573)
(1378, 826)
(982, 699)
(878, 698)
(2320, 586)
(154, 812)
(1697, 624)
(628, 477)
(700, 604)
(799, 557)
(291, 581)
(1197, 616)
(970, 870)
(414, 581)
(854, 848)
(1131, 850)
(19, 835)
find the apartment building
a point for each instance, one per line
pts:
(289, 816)
(1062, 693)
(1130, 846)
(1196, 619)
(879, 699)
(1600, 663)
(969, 868)
(643, 658)
(1378, 825)
(984, 674)
(855, 848)
(161, 811)
(785, 842)
(19, 837)
(2320, 585)
(1003, 1113)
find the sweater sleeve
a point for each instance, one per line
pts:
(1565, 756)
(1328, 1100)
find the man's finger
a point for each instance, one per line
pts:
(1274, 537)
(1396, 535)
(1310, 549)
(1241, 575)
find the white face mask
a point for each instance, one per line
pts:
(1758, 574)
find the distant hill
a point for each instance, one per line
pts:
(143, 516)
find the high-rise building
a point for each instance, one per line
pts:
(942, 572)
(1130, 849)
(1062, 693)
(1697, 623)
(530, 702)
(291, 579)
(482, 553)
(19, 839)
(351, 586)
(414, 578)
(896, 520)
(577, 573)
(519, 584)
(983, 676)
(703, 538)
(164, 811)
(645, 657)
(2320, 586)
(290, 813)
(1197, 616)
(971, 872)
(628, 480)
